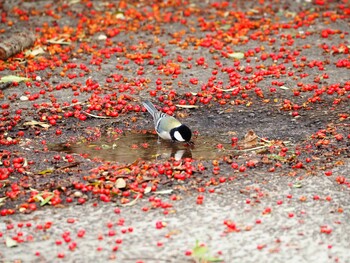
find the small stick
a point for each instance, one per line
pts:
(96, 116)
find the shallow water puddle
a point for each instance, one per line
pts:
(128, 147)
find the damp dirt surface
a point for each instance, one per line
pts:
(265, 88)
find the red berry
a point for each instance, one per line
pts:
(242, 169)
(328, 173)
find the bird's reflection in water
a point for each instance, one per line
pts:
(174, 150)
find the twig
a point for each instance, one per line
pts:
(68, 166)
(72, 105)
(249, 150)
(96, 116)
(133, 202)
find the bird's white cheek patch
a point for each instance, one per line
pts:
(178, 137)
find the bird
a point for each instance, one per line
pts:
(168, 127)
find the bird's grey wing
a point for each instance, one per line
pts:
(166, 123)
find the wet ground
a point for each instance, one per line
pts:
(264, 87)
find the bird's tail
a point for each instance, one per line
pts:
(152, 110)
(150, 107)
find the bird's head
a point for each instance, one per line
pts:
(181, 133)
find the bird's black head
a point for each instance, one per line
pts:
(181, 134)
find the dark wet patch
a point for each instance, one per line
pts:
(131, 146)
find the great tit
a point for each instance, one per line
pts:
(167, 127)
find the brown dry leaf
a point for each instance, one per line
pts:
(173, 232)
(339, 163)
(59, 41)
(255, 161)
(125, 170)
(231, 133)
(248, 228)
(2, 200)
(37, 123)
(279, 143)
(250, 140)
(182, 115)
(266, 160)
(229, 110)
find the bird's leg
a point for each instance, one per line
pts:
(158, 141)
(190, 144)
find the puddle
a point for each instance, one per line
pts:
(128, 147)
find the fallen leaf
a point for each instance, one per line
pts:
(35, 52)
(10, 242)
(46, 200)
(46, 171)
(37, 123)
(12, 78)
(2, 199)
(236, 55)
(124, 170)
(58, 41)
(72, 2)
(106, 146)
(276, 157)
(225, 90)
(201, 254)
(225, 27)
(284, 87)
(147, 189)
(120, 16)
(199, 251)
(213, 259)
(250, 140)
(187, 106)
(297, 185)
(120, 183)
